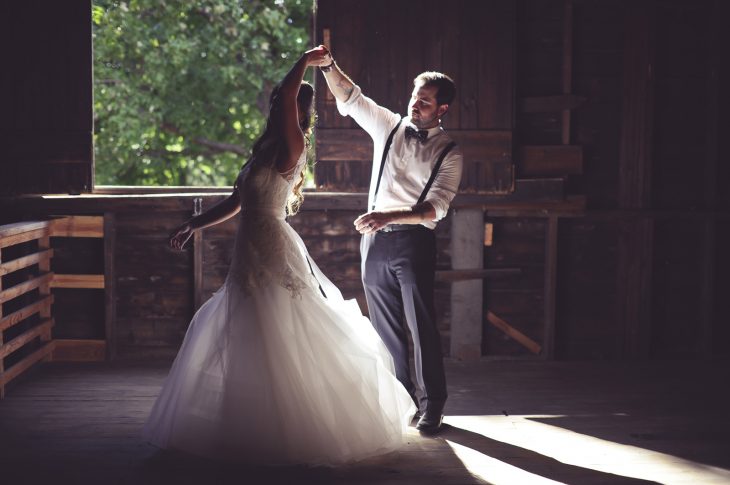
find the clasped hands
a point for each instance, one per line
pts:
(319, 56)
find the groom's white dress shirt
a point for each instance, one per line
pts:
(409, 162)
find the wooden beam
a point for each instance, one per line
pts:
(14, 239)
(474, 274)
(11, 346)
(24, 364)
(567, 65)
(550, 160)
(15, 228)
(635, 244)
(518, 336)
(338, 144)
(110, 284)
(25, 261)
(550, 104)
(18, 316)
(78, 350)
(550, 286)
(89, 281)
(25, 287)
(197, 258)
(78, 226)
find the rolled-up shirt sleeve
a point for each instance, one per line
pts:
(376, 120)
(446, 183)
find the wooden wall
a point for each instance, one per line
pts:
(629, 260)
(384, 45)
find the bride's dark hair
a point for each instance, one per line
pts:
(270, 142)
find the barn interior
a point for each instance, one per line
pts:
(581, 268)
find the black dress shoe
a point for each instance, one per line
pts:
(416, 418)
(430, 422)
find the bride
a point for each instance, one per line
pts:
(276, 368)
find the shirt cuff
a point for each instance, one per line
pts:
(345, 107)
(440, 207)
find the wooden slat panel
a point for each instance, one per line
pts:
(549, 104)
(22, 288)
(25, 337)
(73, 350)
(24, 364)
(20, 227)
(25, 261)
(110, 283)
(20, 315)
(78, 281)
(550, 160)
(78, 226)
(23, 237)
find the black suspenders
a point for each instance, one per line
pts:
(382, 162)
(434, 172)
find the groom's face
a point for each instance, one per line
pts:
(423, 107)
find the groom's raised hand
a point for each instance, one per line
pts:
(371, 222)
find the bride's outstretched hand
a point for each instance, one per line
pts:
(319, 56)
(180, 236)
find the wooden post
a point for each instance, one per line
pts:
(567, 65)
(550, 286)
(635, 245)
(197, 257)
(467, 252)
(44, 266)
(110, 296)
(709, 239)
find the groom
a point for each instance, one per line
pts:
(416, 173)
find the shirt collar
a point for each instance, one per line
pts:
(431, 131)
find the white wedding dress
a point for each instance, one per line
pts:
(271, 371)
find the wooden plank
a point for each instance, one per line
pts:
(78, 226)
(25, 364)
(567, 73)
(11, 346)
(550, 160)
(549, 104)
(550, 286)
(110, 283)
(25, 261)
(453, 275)
(22, 288)
(339, 144)
(23, 237)
(197, 258)
(637, 123)
(520, 337)
(90, 281)
(20, 315)
(76, 350)
(21, 227)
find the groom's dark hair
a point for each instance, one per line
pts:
(445, 87)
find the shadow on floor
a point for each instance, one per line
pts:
(533, 462)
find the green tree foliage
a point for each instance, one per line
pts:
(181, 87)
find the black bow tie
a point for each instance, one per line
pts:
(421, 135)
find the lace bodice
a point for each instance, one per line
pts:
(264, 252)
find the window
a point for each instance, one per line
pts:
(181, 87)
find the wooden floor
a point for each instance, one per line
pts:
(508, 423)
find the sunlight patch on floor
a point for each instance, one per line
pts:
(567, 447)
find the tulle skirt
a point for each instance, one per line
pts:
(268, 376)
